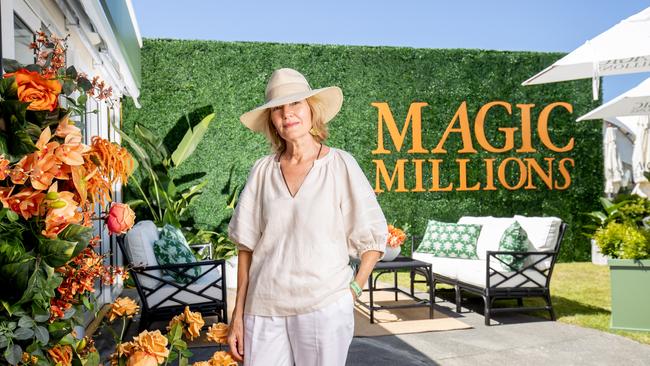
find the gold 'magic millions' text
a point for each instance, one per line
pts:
(494, 173)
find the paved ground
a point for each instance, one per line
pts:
(513, 339)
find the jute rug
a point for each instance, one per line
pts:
(394, 321)
(399, 321)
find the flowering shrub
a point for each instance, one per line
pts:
(50, 186)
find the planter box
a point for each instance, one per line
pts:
(630, 281)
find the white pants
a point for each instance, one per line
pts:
(319, 338)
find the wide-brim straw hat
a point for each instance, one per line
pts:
(288, 86)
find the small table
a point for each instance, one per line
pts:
(393, 266)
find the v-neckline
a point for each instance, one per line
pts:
(304, 179)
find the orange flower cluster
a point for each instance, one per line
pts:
(107, 163)
(50, 53)
(61, 355)
(123, 307)
(396, 236)
(219, 358)
(79, 276)
(85, 172)
(192, 322)
(218, 333)
(147, 348)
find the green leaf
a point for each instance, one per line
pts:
(13, 354)
(79, 234)
(34, 68)
(56, 252)
(69, 87)
(26, 322)
(135, 203)
(40, 315)
(82, 99)
(91, 360)
(141, 155)
(23, 333)
(71, 72)
(68, 339)
(84, 84)
(186, 353)
(170, 218)
(154, 143)
(41, 334)
(12, 216)
(191, 140)
(182, 361)
(87, 303)
(175, 333)
(11, 65)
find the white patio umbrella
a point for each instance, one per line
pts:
(635, 101)
(622, 49)
(641, 157)
(613, 165)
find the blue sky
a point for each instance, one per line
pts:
(549, 25)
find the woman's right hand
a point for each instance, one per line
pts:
(236, 338)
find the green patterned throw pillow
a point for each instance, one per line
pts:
(513, 239)
(172, 248)
(450, 240)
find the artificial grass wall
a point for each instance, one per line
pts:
(194, 78)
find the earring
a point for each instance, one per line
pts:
(314, 131)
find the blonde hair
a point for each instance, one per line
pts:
(317, 107)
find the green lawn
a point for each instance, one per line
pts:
(581, 296)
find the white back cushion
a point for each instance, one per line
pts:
(139, 243)
(543, 233)
(492, 229)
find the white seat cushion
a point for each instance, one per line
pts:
(492, 229)
(441, 265)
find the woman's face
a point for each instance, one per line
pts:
(292, 120)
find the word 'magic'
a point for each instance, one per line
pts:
(553, 172)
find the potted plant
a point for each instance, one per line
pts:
(396, 237)
(625, 238)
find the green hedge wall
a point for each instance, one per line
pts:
(184, 80)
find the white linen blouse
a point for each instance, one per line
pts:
(301, 244)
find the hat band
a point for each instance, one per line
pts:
(286, 89)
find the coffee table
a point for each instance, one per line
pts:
(400, 263)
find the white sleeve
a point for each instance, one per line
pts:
(364, 222)
(244, 227)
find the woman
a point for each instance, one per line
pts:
(303, 211)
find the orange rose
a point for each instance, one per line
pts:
(120, 218)
(194, 322)
(153, 343)
(40, 93)
(218, 333)
(222, 358)
(141, 358)
(201, 363)
(61, 355)
(123, 307)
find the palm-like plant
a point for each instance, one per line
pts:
(157, 191)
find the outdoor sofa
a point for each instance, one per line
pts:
(490, 276)
(161, 296)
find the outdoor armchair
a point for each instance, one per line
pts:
(161, 296)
